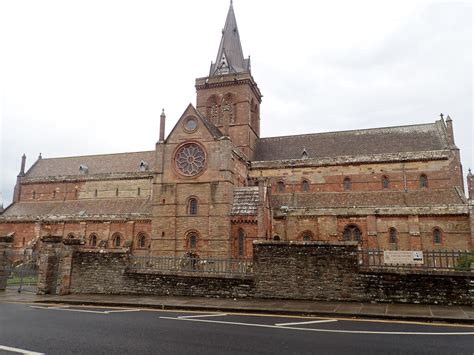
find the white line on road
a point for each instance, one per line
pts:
(317, 330)
(310, 322)
(19, 351)
(85, 310)
(203, 315)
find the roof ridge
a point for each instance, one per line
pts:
(98, 155)
(352, 130)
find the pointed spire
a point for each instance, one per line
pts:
(162, 125)
(230, 57)
(469, 174)
(23, 163)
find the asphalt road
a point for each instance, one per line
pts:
(51, 329)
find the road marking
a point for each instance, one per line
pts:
(309, 322)
(317, 330)
(204, 315)
(19, 351)
(66, 308)
(248, 313)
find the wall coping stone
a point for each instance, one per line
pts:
(200, 275)
(51, 239)
(421, 272)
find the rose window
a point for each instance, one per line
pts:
(190, 159)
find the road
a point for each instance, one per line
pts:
(56, 329)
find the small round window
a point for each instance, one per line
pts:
(190, 124)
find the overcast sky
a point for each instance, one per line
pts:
(91, 77)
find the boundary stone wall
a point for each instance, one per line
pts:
(282, 270)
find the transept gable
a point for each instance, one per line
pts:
(192, 125)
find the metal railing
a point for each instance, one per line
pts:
(192, 264)
(439, 260)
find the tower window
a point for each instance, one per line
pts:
(437, 236)
(385, 183)
(241, 242)
(95, 193)
(352, 232)
(192, 241)
(392, 235)
(192, 206)
(423, 181)
(139, 192)
(116, 192)
(281, 186)
(117, 240)
(347, 184)
(93, 240)
(34, 195)
(305, 186)
(141, 240)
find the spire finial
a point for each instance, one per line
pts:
(441, 115)
(469, 172)
(39, 156)
(163, 112)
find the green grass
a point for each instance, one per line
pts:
(27, 280)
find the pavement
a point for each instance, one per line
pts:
(413, 312)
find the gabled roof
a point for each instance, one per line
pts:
(80, 208)
(246, 201)
(96, 164)
(230, 57)
(400, 139)
(416, 198)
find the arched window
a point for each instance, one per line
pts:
(385, 182)
(352, 232)
(347, 184)
(228, 109)
(305, 186)
(93, 240)
(54, 193)
(117, 240)
(139, 192)
(241, 242)
(437, 236)
(116, 191)
(34, 195)
(307, 236)
(96, 193)
(141, 240)
(276, 237)
(281, 186)
(70, 236)
(213, 110)
(192, 240)
(392, 235)
(192, 206)
(423, 181)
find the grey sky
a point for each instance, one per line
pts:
(91, 77)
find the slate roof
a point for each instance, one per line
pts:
(97, 164)
(103, 207)
(414, 138)
(245, 201)
(418, 198)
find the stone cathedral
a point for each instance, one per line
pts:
(214, 185)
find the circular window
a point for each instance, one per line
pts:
(190, 159)
(190, 124)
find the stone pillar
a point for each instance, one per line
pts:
(63, 286)
(261, 220)
(372, 232)
(6, 243)
(49, 262)
(414, 231)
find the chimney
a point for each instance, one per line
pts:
(162, 126)
(23, 163)
(470, 185)
(449, 129)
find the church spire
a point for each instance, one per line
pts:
(230, 58)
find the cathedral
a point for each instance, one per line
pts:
(213, 185)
